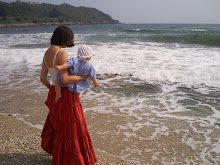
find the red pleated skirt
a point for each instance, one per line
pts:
(65, 135)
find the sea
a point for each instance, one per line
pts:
(158, 100)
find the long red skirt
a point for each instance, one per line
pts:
(65, 135)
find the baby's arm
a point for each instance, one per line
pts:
(62, 67)
(95, 82)
(92, 75)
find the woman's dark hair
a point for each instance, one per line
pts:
(62, 35)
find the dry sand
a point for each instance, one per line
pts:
(20, 144)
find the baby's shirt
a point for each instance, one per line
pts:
(79, 67)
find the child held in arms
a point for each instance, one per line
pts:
(77, 66)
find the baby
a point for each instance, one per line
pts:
(77, 66)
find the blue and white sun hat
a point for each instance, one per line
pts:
(85, 52)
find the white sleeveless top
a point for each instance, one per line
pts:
(52, 71)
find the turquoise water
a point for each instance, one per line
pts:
(157, 82)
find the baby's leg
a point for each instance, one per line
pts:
(58, 90)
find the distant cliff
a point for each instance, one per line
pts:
(34, 13)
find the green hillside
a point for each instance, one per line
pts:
(25, 12)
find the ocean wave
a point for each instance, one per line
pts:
(109, 37)
(30, 46)
(199, 30)
(203, 39)
(140, 31)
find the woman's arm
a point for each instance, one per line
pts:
(62, 58)
(43, 76)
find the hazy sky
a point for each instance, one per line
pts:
(151, 11)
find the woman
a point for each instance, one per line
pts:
(65, 135)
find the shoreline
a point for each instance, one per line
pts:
(32, 24)
(42, 24)
(35, 24)
(20, 144)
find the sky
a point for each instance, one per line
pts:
(151, 11)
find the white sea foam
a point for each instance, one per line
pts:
(152, 63)
(199, 30)
(183, 65)
(136, 29)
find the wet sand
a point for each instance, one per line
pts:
(20, 144)
(135, 129)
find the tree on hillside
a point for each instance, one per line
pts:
(26, 12)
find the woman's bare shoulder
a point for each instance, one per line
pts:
(51, 51)
(62, 57)
(62, 51)
(62, 54)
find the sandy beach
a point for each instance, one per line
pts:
(20, 144)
